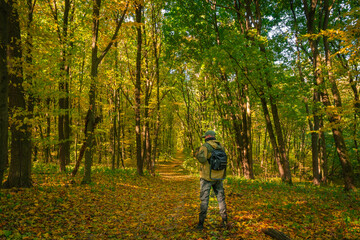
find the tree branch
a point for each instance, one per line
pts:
(247, 78)
(113, 39)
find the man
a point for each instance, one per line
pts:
(210, 178)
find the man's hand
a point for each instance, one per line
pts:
(196, 151)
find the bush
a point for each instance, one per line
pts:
(190, 164)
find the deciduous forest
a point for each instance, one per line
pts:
(103, 104)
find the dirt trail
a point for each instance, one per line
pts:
(173, 170)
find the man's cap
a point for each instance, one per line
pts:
(207, 133)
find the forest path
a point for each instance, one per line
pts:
(116, 205)
(123, 205)
(173, 170)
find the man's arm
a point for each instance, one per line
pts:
(201, 155)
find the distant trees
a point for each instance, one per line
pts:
(277, 81)
(228, 43)
(231, 43)
(63, 33)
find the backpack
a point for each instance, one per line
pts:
(217, 160)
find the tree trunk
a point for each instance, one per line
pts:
(315, 125)
(63, 121)
(78, 161)
(157, 50)
(4, 86)
(115, 102)
(281, 148)
(147, 136)
(315, 137)
(95, 61)
(241, 131)
(89, 126)
(323, 168)
(48, 156)
(275, 234)
(246, 133)
(114, 129)
(270, 130)
(121, 137)
(139, 159)
(333, 116)
(335, 120)
(20, 165)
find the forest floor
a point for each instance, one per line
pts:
(122, 205)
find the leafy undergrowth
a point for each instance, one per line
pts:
(121, 205)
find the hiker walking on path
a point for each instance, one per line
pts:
(210, 177)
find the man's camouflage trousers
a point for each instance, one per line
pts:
(205, 187)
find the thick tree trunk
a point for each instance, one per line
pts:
(95, 61)
(20, 165)
(83, 147)
(139, 159)
(28, 56)
(63, 122)
(90, 125)
(4, 86)
(310, 16)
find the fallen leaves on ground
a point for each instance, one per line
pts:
(121, 205)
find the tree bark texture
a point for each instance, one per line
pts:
(95, 61)
(246, 132)
(275, 234)
(83, 148)
(4, 86)
(139, 159)
(90, 118)
(20, 164)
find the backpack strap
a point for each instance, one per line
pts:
(209, 147)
